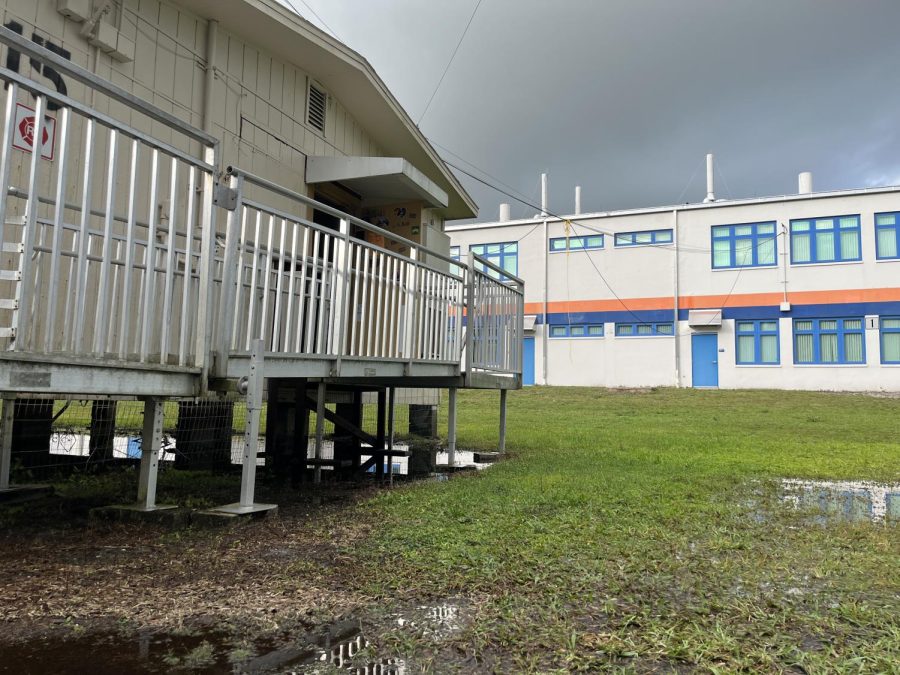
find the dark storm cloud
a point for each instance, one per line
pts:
(625, 97)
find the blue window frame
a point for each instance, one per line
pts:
(829, 341)
(503, 255)
(890, 339)
(644, 238)
(887, 235)
(577, 330)
(645, 329)
(832, 239)
(585, 243)
(756, 342)
(745, 245)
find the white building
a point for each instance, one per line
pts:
(799, 291)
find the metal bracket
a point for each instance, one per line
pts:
(225, 197)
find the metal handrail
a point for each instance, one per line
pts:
(66, 67)
(487, 263)
(309, 201)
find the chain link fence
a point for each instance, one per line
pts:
(53, 439)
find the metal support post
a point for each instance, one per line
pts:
(320, 430)
(390, 434)
(255, 381)
(380, 433)
(502, 446)
(6, 434)
(151, 444)
(451, 429)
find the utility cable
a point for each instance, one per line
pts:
(449, 63)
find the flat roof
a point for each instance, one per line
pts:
(718, 204)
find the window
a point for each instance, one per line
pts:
(316, 100)
(756, 342)
(454, 253)
(748, 245)
(890, 339)
(829, 341)
(887, 235)
(648, 329)
(644, 238)
(577, 330)
(587, 243)
(825, 239)
(505, 256)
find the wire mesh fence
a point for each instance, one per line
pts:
(52, 439)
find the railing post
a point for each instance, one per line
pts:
(470, 318)
(520, 326)
(22, 322)
(207, 255)
(230, 278)
(320, 431)
(342, 306)
(412, 280)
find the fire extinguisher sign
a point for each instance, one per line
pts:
(26, 129)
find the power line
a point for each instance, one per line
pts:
(321, 20)
(449, 63)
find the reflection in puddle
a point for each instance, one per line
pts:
(845, 500)
(343, 654)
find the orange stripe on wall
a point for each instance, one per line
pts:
(719, 301)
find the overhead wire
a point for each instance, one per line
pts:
(449, 63)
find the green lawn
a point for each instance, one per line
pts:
(641, 531)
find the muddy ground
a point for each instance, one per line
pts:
(272, 595)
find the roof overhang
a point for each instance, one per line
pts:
(378, 180)
(347, 76)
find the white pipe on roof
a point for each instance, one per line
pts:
(577, 200)
(710, 180)
(804, 181)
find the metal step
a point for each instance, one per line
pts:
(12, 247)
(10, 275)
(9, 304)
(7, 332)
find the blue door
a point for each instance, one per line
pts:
(528, 361)
(705, 359)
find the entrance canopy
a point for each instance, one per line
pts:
(378, 180)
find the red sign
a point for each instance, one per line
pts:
(25, 130)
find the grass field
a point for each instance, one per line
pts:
(641, 530)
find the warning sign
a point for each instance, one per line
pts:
(25, 130)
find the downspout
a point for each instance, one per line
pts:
(212, 35)
(546, 331)
(675, 303)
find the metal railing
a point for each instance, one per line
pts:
(494, 318)
(106, 235)
(309, 290)
(109, 252)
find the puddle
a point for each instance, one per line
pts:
(340, 646)
(849, 501)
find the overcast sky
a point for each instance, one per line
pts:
(625, 97)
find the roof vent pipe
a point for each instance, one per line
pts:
(805, 183)
(577, 200)
(543, 195)
(504, 213)
(710, 181)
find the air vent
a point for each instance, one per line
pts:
(315, 107)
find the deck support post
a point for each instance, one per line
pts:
(6, 434)
(390, 434)
(255, 381)
(320, 430)
(380, 433)
(451, 429)
(151, 445)
(502, 445)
